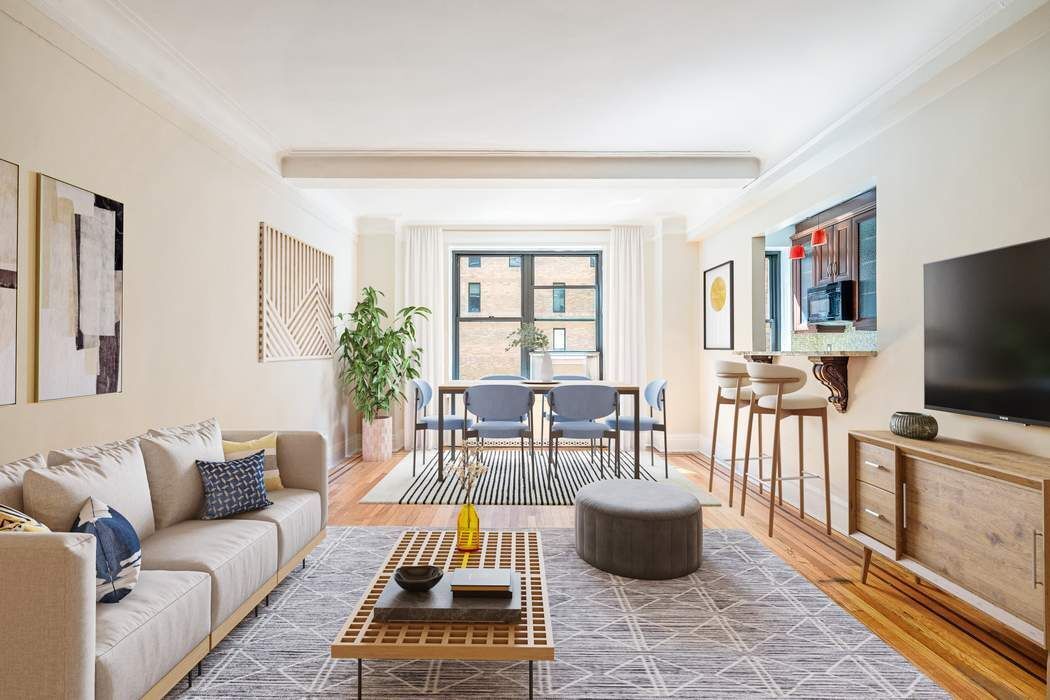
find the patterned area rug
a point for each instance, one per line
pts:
(744, 625)
(509, 481)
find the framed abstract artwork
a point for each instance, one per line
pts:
(8, 281)
(718, 307)
(81, 296)
(295, 299)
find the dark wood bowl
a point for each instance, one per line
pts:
(418, 578)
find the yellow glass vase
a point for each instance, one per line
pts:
(468, 529)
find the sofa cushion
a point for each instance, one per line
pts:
(117, 477)
(233, 487)
(297, 515)
(268, 444)
(56, 457)
(117, 550)
(11, 475)
(171, 458)
(140, 640)
(240, 555)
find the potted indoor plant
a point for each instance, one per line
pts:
(376, 362)
(528, 336)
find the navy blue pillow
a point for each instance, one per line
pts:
(233, 487)
(117, 551)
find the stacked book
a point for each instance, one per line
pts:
(483, 583)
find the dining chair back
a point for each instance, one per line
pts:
(582, 402)
(424, 393)
(571, 378)
(498, 402)
(654, 393)
(503, 377)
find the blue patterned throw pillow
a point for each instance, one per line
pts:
(117, 552)
(233, 487)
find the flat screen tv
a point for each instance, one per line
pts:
(987, 334)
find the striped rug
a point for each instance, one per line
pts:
(508, 482)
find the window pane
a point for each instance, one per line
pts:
(570, 269)
(564, 303)
(558, 339)
(579, 335)
(500, 284)
(474, 297)
(514, 261)
(482, 349)
(474, 261)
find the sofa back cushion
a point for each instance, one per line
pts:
(56, 457)
(11, 476)
(55, 495)
(171, 456)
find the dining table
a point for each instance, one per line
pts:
(457, 387)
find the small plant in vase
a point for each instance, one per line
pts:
(467, 471)
(531, 338)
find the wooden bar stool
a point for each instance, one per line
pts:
(732, 381)
(773, 390)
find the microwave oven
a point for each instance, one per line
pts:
(830, 302)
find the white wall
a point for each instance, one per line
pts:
(965, 173)
(192, 212)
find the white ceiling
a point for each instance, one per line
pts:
(758, 76)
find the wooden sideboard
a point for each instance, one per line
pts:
(968, 518)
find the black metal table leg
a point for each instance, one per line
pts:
(359, 679)
(530, 679)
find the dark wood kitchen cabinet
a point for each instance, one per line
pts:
(849, 254)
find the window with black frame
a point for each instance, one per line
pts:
(495, 293)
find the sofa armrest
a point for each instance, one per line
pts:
(47, 615)
(302, 458)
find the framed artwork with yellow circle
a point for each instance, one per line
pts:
(718, 307)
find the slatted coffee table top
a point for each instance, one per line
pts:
(520, 550)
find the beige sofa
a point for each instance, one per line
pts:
(198, 580)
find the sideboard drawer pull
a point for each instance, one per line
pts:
(873, 514)
(1036, 583)
(876, 465)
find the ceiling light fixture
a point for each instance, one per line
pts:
(820, 236)
(797, 252)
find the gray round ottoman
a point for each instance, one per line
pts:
(639, 529)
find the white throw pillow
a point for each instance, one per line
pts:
(11, 476)
(55, 495)
(171, 456)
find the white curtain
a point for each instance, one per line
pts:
(624, 307)
(423, 285)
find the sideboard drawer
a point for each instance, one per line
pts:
(876, 465)
(876, 513)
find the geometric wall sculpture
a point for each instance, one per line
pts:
(8, 280)
(295, 299)
(81, 292)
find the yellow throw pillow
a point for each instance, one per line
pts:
(12, 520)
(267, 443)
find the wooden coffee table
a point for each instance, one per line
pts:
(521, 550)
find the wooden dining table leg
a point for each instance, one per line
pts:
(637, 433)
(441, 435)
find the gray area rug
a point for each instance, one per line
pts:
(745, 625)
(510, 481)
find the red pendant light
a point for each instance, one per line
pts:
(820, 237)
(797, 252)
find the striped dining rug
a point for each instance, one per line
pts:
(512, 482)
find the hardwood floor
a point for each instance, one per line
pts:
(967, 652)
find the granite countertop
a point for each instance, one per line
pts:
(810, 353)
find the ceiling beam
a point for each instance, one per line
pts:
(501, 165)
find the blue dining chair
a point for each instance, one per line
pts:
(577, 412)
(424, 392)
(656, 396)
(543, 406)
(502, 411)
(503, 377)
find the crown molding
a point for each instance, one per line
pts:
(126, 39)
(940, 70)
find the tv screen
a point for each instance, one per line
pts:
(987, 333)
